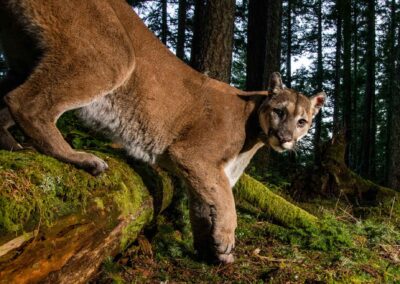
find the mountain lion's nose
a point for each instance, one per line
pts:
(285, 137)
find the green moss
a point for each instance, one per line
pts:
(99, 203)
(170, 242)
(298, 226)
(37, 189)
(131, 231)
(272, 204)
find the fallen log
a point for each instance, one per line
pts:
(58, 223)
(272, 205)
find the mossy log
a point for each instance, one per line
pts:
(58, 223)
(272, 205)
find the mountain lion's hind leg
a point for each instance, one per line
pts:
(52, 89)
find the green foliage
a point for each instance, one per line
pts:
(270, 177)
(81, 137)
(112, 271)
(170, 242)
(330, 235)
(378, 232)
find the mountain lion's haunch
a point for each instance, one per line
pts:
(98, 56)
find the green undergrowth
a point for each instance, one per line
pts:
(339, 251)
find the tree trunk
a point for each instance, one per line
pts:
(288, 80)
(164, 21)
(181, 37)
(368, 137)
(394, 163)
(263, 47)
(335, 180)
(318, 119)
(338, 65)
(214, 56)
(391, 64)
(347, 75)
(263, 53)
(354, 147)
(198, 23)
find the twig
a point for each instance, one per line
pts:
(337, 202)
(391, 209)
(17, 242)
(348, 214)
(273, 259)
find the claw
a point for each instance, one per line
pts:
(226, 258)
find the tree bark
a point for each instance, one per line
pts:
(198, 23)
(347, 75)
(394, 150)
(289, 45)
(368, 137)
(354, 147)
(263, 53)
(318, 119)
(215, 41)
(164, 21)
(181, 37)
(264, 40)
(338, 65)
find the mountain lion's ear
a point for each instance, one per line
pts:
(317, 102)
(275, 82)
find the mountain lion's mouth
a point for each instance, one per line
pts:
(275, 144)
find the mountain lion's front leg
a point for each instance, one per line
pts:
(212, 212)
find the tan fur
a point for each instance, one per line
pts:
(98, 56)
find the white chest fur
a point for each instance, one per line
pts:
(236, 166)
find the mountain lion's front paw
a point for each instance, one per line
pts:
(91, 163)
(224, 244)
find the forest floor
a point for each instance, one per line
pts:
(347, 250)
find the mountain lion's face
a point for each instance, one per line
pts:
(286, 115)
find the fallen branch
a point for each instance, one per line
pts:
(271, 204)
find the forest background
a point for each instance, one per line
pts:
(349, 49)
(342, 170)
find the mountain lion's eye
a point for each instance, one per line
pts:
(302, 122)
(278, 112)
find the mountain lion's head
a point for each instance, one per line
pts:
(286, 115)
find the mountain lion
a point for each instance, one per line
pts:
(98, 56)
